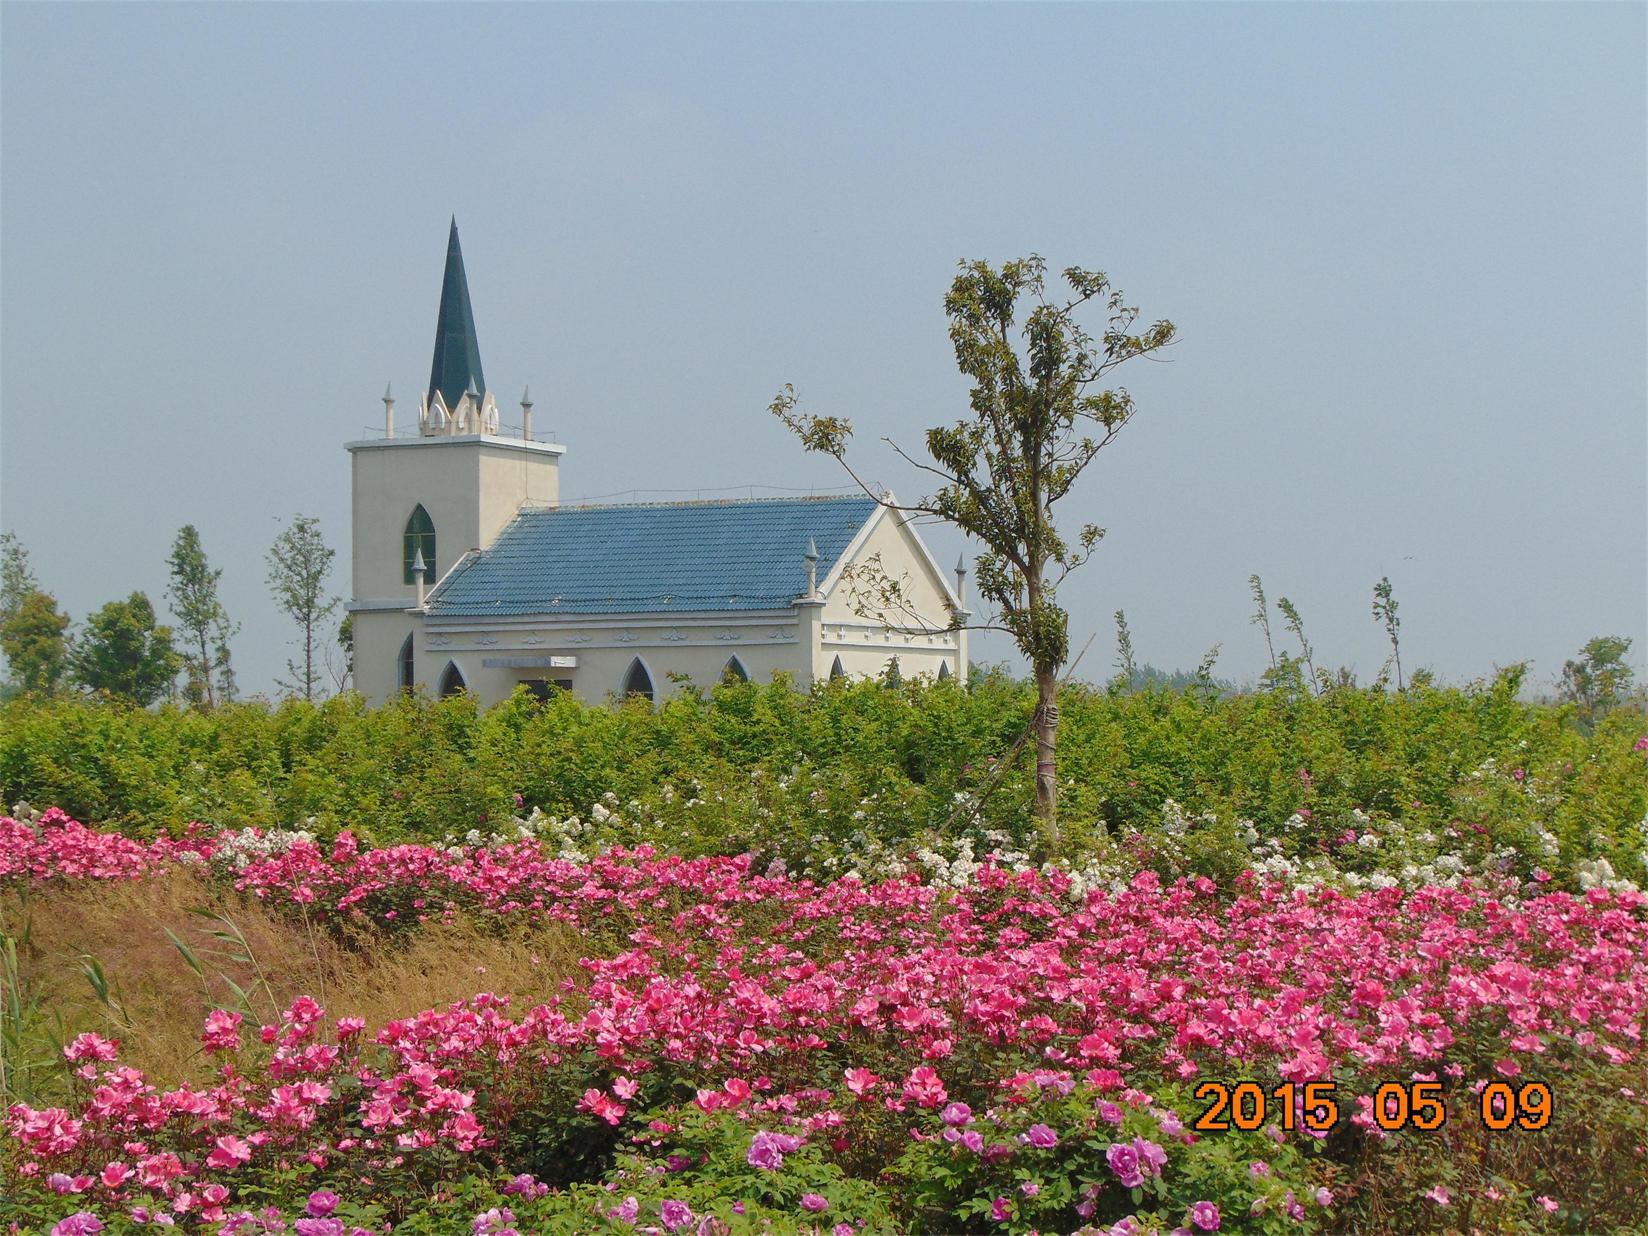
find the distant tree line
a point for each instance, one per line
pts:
(124, 651)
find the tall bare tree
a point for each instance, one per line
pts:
(1040, 411)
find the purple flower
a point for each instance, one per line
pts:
(958, 1113)
(1041, 1137)
(765, 1152)
(494, 1222)
(322, 1202)
(1205, 1215)
(319, 1227)
(1124, 1161)
(80, 1223)
(973, 1140)
(1001, 1210)
(1110, 1113)
(1151, 1156)
(678, 1162)
(676, 1215)
(814, 1201)
(625, 1211)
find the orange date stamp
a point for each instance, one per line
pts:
(1395, 1106)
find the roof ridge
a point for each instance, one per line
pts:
(617, 506)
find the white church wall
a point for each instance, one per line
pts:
(379, 636)
(603, 658)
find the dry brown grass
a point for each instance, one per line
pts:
(159, 1001)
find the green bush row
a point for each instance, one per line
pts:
(748, 765)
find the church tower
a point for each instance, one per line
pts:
(422, 500)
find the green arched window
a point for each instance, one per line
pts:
(420, 537)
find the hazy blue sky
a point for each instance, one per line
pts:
(1404, 244)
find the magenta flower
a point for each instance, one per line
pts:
(1001, 1210)
(957, 1113)
(1124, 1161)
(1205, 1215)
(229, 1153)
(322, 1202)
(675, 1215)
(814, 1202)
(81, 1223)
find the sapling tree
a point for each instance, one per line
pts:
(202, 621)
(1296, 624)
(1039, 411)
(1127, 669)
(1261, 616)
(1384, 612)
(299, 562)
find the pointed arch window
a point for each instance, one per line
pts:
(944, 671)
(734, 671)
(637, 681)
(419, 538)
(837, 670)
(403, 666)
(452, 680)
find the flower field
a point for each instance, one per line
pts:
(726, 1048)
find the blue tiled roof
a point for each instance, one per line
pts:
(652, 558)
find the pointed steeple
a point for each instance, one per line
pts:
(457, 366)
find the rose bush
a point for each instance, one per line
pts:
(1007, 1053)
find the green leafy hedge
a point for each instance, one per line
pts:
(746, 766)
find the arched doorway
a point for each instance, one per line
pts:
(637, 681)
(452, 680)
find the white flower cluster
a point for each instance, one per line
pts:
(1599, 873)
(240, 849)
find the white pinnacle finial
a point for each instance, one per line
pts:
(812, 567)
(388, 410)
(420, 570)
(526, 413)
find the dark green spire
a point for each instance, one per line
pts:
(457, 353)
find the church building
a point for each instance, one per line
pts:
(469, 574)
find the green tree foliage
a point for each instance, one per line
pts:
(17, 579)
(1040, 411)
(346, 644)
(32, 638)
(124, 653)
(202, 621)
(299, 562)
(1599, 678)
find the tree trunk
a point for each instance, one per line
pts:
(1047, 737)
(206, 672)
